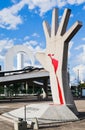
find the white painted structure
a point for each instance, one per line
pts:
(55, 58)
(44, 112)
(13, 52)
(20, 60)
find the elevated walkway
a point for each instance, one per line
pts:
(16, 76)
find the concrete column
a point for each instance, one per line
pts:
(5, 90)
(26, 86)
(46, 88)
(20, 62)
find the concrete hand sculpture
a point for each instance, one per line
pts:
(54, 59)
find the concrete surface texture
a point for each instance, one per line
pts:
(44, 112)
(76, 125)
(54, 59)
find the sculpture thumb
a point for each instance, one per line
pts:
(43, 59)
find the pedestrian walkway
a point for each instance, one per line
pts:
(78, 125)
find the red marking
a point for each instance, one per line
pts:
(55, 65)
(60, 92)
(54, 62)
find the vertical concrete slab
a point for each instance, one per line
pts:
(55, 58)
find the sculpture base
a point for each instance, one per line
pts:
(45, 113)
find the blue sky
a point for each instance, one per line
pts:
(21, 23)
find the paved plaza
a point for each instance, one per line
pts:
(77, 125)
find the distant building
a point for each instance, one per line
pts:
(17, 50)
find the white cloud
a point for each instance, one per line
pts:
(10, 18)
(35, 35)
(79, 70)
(5, 44)
(71, 15)
(13, 1)
(32, 43)
(70, 46)
(80, 1)
(83, 7)
(39, 49)
(79, 64)
(2, 58)
(26, 38)
(46, 5)
(75, 1)
(71, 2)
(9, 21)
(83, 38)
(80, 58)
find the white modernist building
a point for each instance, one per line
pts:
(18, 50)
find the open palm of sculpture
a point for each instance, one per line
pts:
(56, 44)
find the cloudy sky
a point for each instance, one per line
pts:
(21, 24)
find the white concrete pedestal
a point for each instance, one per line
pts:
(43, 112)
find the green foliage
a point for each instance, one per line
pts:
(34, 89)
(82, 85)
(13, 89)
(1, 89)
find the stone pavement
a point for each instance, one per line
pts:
(77, 125)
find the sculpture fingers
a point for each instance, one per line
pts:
(47, 30)
(72, 31)
(64, 22)
(54, 22)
